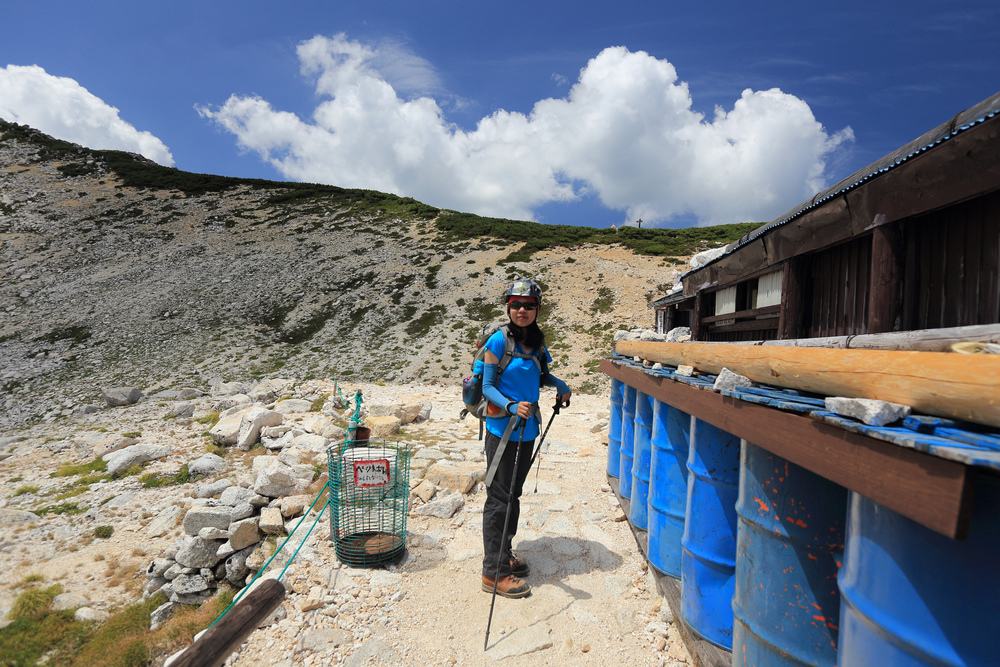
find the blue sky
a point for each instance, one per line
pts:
(591, 113)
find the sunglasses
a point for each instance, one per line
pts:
(518, 305)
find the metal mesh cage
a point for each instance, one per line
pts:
(370, 490)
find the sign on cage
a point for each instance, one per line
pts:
(371, 473)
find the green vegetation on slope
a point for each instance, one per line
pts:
(138, 172)
(536, 236)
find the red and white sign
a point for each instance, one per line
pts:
(371, 473)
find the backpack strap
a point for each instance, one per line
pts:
(510, 352)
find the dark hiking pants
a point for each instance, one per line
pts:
(496, 502)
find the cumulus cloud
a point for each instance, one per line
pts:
(61, 107)
(625, 133)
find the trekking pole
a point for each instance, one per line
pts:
(538, 448)
(503, 540)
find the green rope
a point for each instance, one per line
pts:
(261, 571)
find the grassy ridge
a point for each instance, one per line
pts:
(138, 172)
(536, 236)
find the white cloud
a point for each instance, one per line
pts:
(64, 109)
(625, 133)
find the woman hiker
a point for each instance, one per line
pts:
(513, 396)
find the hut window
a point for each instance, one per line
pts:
(725, 302)
(768, 290)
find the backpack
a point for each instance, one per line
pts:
(472, 386)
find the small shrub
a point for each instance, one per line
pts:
(132, 434)
(97, 465)
(211, 418)
(103, 532)
(25, 489)
(62, 508)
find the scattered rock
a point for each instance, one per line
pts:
(522, 641)
(730, 380)
(442, 508)
(124, 459)
(867, 410)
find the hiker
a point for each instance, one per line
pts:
(515, 391)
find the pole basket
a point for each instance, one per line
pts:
(370, 490)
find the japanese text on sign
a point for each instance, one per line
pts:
(371, 473)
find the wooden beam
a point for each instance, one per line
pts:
(884, 298)
(958, 386)
(213, 647)
(793, 299)
(932, 491)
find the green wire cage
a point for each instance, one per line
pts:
(370, 490)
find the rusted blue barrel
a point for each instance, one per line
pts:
(667, 487)
(789, 547)
(911, 596)
(638, 511)
(615, 428)
(625, 451)
(708, 559)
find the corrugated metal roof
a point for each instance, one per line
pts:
(962, 122)
(675, 297)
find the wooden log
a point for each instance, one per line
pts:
(213, 647)
(919, 340)
(947, 385)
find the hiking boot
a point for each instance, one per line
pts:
(518, 566)
(509, 587)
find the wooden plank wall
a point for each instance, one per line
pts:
(839, 286)
(952, 266)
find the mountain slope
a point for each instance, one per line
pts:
(115, 271)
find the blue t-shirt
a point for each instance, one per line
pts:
(518, 382)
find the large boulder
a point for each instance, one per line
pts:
(227, 389)
(292, 405)
(442, 508)
(245, 533)
(267, 390)
(271, 521)
(460, 477)
(324, 427)
(383, 427)
(253, 421)
(124, 459)
(227, 429)
(206, 517)
(277, 480)
(118, 396)
(236, 495)
(196, 552)
(164, 521)
(207, 464)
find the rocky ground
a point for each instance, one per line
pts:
(592, 602)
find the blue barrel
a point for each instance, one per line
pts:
(667, 487)
(708, 559)
(625, 451)
(615, 428)
(911, 596)
(638, 511)
(789, 547)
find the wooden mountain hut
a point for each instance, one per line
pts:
(787, 517)
(911, 242)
